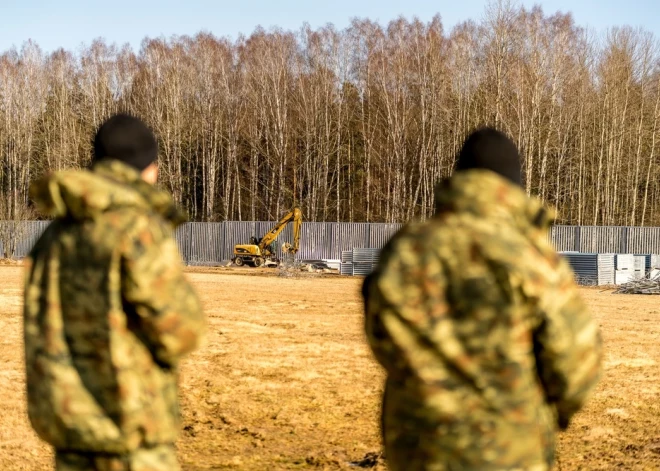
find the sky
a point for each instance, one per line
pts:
(68, 24)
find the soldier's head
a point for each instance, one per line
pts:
(127, 139)
(490, 149)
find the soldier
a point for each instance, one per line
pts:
(487, 346)
(108, 313)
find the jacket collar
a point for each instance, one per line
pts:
(159, 200)
(485, 194)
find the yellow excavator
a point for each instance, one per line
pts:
(262, 251)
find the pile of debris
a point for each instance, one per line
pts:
(648, 285)
(290, 268)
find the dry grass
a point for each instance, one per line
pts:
(620, 427)
(286, 381)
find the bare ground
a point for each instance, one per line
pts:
(286, 380)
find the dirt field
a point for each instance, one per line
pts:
(287, 382)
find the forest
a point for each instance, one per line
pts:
(355, 124)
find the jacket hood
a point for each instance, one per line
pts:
(485, 194)
(110, 185)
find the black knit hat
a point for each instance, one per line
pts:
(490, 149)
(127, 139)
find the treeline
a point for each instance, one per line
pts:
(357, 124)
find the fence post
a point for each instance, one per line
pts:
(333, 246)
(367, 242)
(224, 240)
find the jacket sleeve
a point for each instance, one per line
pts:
(568, 347)
(168, 314)
(396, 306)
(379, 340)
(377, 307)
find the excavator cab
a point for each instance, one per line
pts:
(264, 251)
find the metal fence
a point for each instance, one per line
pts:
(205, 243)
(20, 236)
(607, 239)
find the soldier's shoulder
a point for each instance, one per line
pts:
(445, 230)
(411, 232)
(134, 228)
(412, 243)
(135, 218)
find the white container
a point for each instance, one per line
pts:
(623, 276)
(625, 261)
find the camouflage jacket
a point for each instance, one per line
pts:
(487, 345)
(108, 313)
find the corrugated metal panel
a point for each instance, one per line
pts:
(205, 244)
(585, 242)
(606, 269)
(21, 236)
(362, 269)
(380, 234)
(346, 236)
(346, 269)
(361, 255)
(564, 237)
(643, 239)
(315, 241)
(361, 261)
(591, 268)
(182, 237)
(601, 239)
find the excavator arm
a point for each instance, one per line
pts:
(294, 216)
(297, 226)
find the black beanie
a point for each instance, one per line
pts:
(490, 149)
(127, 139)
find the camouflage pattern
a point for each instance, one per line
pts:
(487, 346)
(108, 314)
(161, 458)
